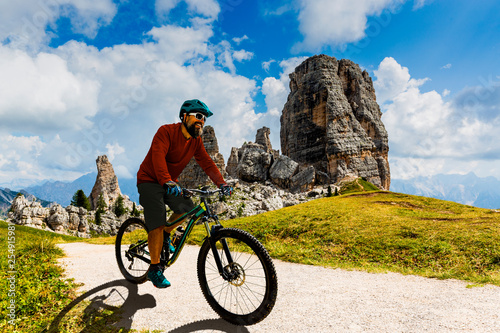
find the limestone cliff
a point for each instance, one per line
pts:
(332, 121)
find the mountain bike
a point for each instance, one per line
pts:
(235, 272)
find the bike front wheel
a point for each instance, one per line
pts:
(131, 249)
(246, 292)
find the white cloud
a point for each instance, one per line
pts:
(40, 92)
(447, 66)
(27, 159)
(181, 44)
(207, 8)
(267, 64)
(323, 22)
(392, 80)
(23, 23)
(428, 135)
(113, 150)
(242, 55)
(238, 40)
(417, 4)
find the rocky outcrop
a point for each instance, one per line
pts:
(71, 220)
(106, 183)
(262, 138)
(193, 175)
(255, 198)
(332, 122)
(27, 212)
(259, 162)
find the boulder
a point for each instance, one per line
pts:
(282, 170)
(58, 219)
(254, 163)
(304, 180)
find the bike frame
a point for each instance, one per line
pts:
(200, 212)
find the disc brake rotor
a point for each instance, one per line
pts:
(236, 274)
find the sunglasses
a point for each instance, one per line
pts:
(198, 116)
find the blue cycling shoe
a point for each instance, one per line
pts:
(158, 279)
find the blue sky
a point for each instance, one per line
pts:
(80, 78)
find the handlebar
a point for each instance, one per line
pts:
(188, 192)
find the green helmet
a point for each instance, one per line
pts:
(195, 105)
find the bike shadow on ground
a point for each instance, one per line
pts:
(211, 325)
(112, 304)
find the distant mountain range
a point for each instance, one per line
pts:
(466, 189)
(62, 192)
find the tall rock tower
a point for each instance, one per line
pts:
(332, 121)
(106, 183)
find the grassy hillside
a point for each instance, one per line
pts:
(384, 231)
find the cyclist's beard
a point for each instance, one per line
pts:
(194, 130)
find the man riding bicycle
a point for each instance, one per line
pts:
(172, 148)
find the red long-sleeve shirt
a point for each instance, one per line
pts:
(169, 154)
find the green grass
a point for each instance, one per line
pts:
(371, 230)
(40, 289)
(384, 231)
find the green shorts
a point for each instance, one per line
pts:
(153, 199)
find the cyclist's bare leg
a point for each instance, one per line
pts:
(155, 243)
(173, 217)
(155, 238)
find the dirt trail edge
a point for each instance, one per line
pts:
(310, 299)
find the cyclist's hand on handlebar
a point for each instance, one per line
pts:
(172, 188)
(226, 189)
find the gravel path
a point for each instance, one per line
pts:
(310, 299)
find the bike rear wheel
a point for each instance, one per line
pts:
(131, 249)
(247, 292)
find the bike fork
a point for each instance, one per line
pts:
(215, 252)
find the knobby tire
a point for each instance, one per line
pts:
(132, 231)
(250, 296)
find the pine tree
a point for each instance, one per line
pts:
(98, 219)
(135, 212)
(119, 208)
(101, 208)
(80, 200)
(329, 193)
(101, 204)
